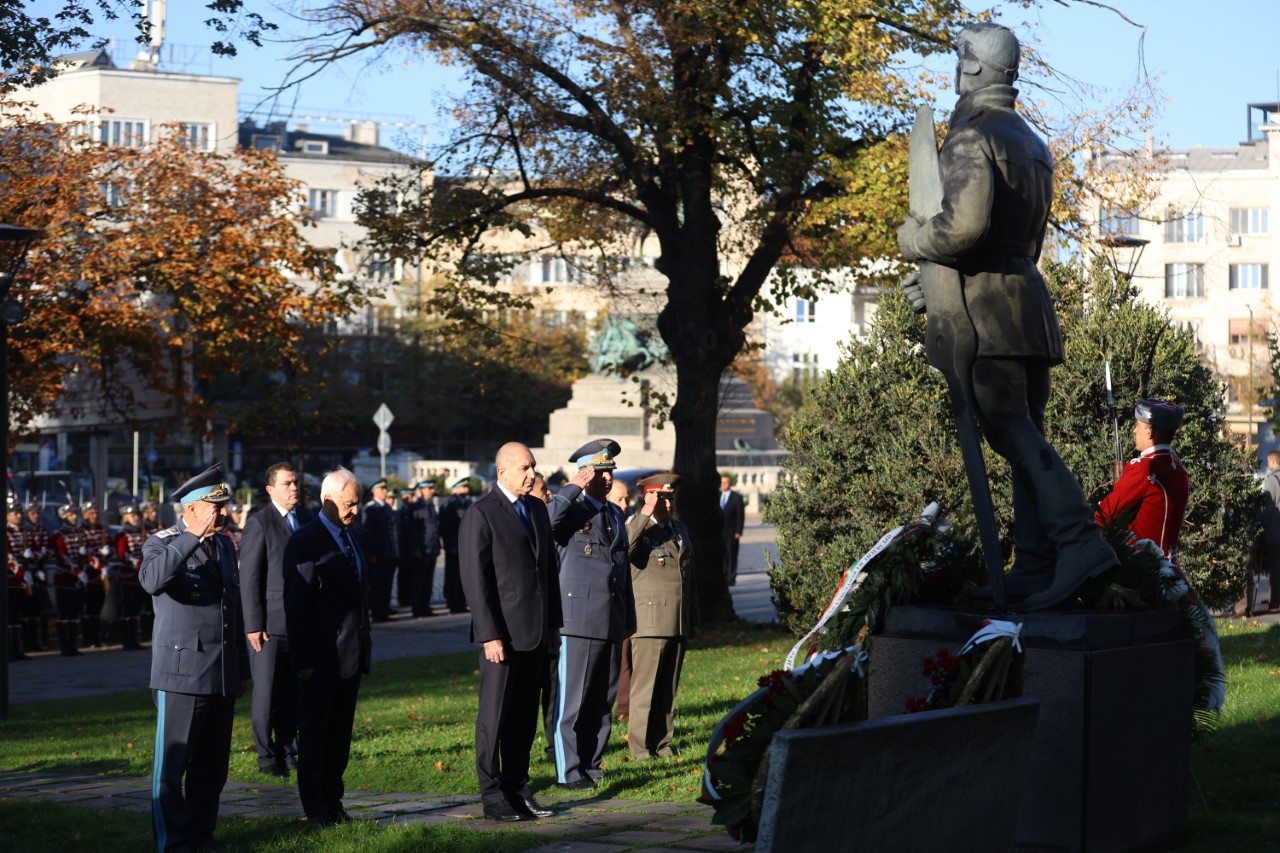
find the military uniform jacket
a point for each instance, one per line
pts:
(69, 571)
(595, 578)
(381, 531)
(997, 180)
(451, 520)
(198, 643)
(129, 542)
(97, 550)
(1156, 487)
(662, 578)
(426, 527)
(18, 579)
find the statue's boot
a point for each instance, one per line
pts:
(1033, 553)
(1067, 524)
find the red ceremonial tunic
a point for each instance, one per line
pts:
(1157, 486)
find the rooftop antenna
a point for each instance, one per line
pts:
(148, 58)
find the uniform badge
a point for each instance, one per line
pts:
(586, 527)
(586, 550)
(662, 561)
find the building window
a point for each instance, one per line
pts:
(1184, 281)
(115, 193)
(805, 310)
(125, 133)
(1116, 221)
(1184, 227)
(1248, 276)
(804, 367)
(555, 270)
(195, 135)
(381, 268)
(1250, 220)
(1242, 332)
(323, 203)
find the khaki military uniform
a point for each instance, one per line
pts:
(661, 557)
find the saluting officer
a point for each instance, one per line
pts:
(599, 612)
(1154, 487)
(128, 550)
(661, 555)
(199, 662)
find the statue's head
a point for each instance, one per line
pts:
(988, 56)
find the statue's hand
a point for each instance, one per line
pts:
(914, 293)
(907, 232)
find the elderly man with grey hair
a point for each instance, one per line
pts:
(326, 606)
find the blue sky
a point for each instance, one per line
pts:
(1209, 59)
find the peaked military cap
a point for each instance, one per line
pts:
(425, 484)
(376, 483)
(465, 481)
(1159, 414)
(599, 453)
(210, 486)
(665, 483)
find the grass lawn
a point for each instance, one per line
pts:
(414, 733)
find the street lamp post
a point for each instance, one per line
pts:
(1126, 248)
(14, 243)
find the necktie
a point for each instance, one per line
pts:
(724, 499)
(523, 512)
(349, 550)
(292, 518)
(608, 526)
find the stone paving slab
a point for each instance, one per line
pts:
(667, 808)
(721, 841)
(420, 818)
(646, 836)
(694, 823)
(578, 847)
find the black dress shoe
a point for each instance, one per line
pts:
(533, 808)
(278, 770)
(582, 784)
(504, 812)
(339, 815)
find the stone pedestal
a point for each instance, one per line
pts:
(944, 780)
(1110, 763)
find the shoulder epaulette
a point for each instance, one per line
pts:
(168, 532)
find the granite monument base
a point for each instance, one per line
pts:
(1110, 764)
(944, 780)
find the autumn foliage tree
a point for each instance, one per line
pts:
(160, 268)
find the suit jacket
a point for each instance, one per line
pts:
(508, 580)
(262, 544)
(662, 578)
(326, 606)
(595, 581)
(734, 513)
(198, 645)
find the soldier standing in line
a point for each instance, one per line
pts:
(381, 546)
(199, 663)
(97, 551)
(150, 517)
(450, 524)
(407, 547)
(128, 549)
(426, 527)
(69, 577)
(234, 528)
(37, 549)
(661, 555)
(17, 578)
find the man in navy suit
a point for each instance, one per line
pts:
(326, 597)
(505, 561)
(733, 512)
(199, 662)
(599, 613)
(275, 694)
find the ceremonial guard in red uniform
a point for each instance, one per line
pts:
(233, 529)
(69, 577)
(128, 560)
(16, 577)
(37, 552)
(1154, 487)
(97, 552)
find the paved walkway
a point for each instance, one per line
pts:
(616, 825)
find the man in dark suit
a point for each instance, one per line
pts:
(199, 661)
(275, 695)
(599, 613)
(326, 597)
(505, 554)
(426, 532)
(733, 510)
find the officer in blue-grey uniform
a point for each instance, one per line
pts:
(599, 612)
(199, 662)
